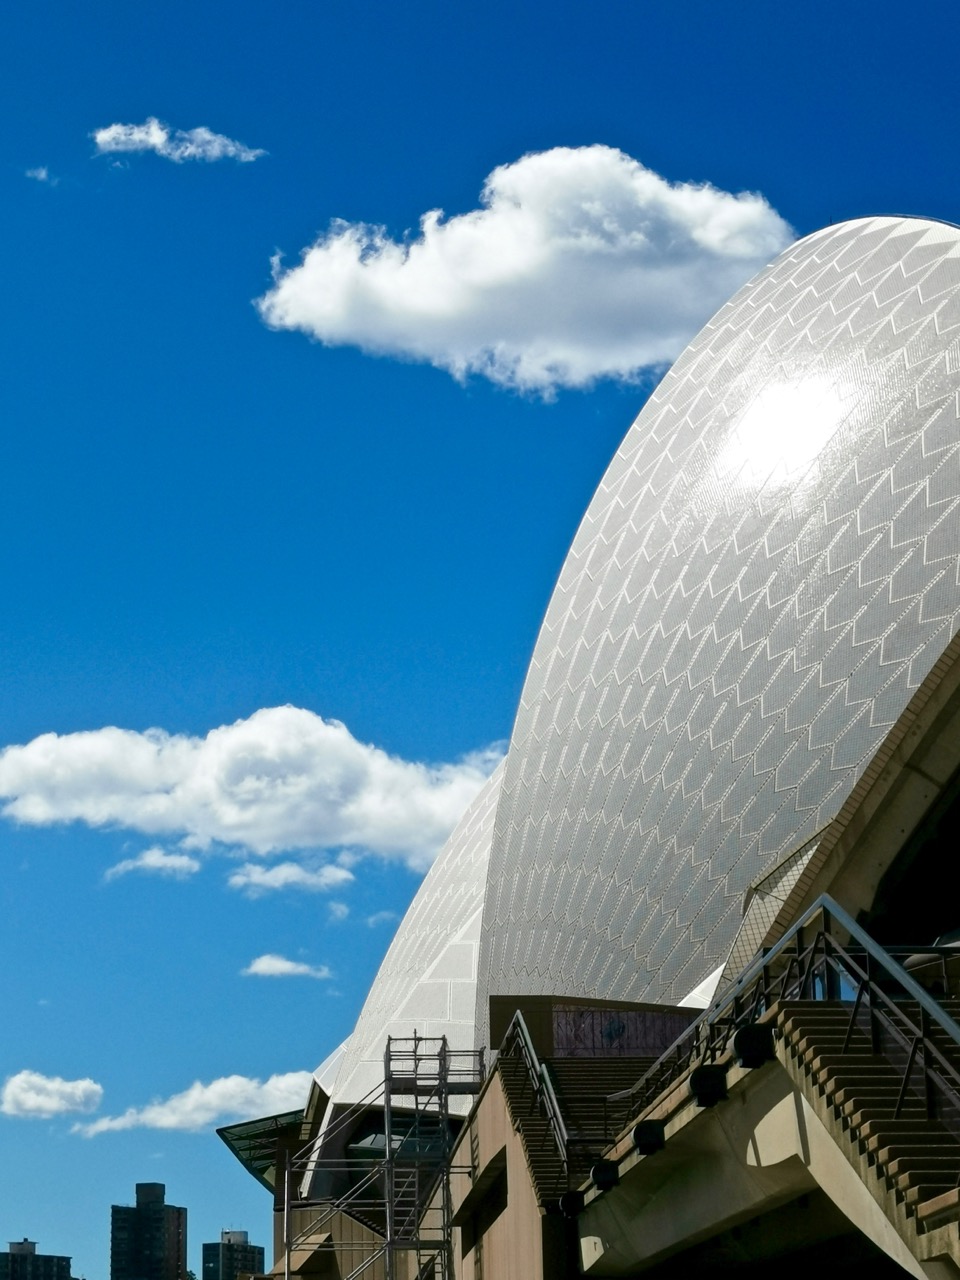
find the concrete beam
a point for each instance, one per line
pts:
(762, 1148)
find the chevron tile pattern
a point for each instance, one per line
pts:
(767, 571)
(428, 979)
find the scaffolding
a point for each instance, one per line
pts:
(384, 1168)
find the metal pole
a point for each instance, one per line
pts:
(286, 1214)
(388, 1170)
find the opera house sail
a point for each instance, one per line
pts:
(757, 612)
(766, 573)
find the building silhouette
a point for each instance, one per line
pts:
(148, 1241)
(22, 1262)
(233, 1256)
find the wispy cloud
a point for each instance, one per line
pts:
(203, 1105)
(255, 880)
(381, 917)
(31, 1095)
(272, 966)
(283, 780)
(41, 174)
(337, 910)
(156, 862)
(579, 264)
(173, 144)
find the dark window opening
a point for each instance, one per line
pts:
(488, 1209)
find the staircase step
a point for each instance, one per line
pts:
(846, 1093)
(916, 1192)
(861, 1118)
(827, 1060)
(916, 1126)
(872, 1127)
(797, 1028)
(883, 1144)
(882, 1097)
(832, 1042)
(920, 1166)
(940, 1209)
(869, 1069)
(803, 1022)
(926, 1163)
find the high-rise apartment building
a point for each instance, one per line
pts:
(22, 1262)
(148, 1241)
(232, 1257)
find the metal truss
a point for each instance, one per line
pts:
(379, 1176)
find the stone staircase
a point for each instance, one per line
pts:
(581, 1087)
(915, 1159)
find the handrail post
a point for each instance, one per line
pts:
(871, 1008)
(906, 1078)
(851, 1026)
(801, 968)
(927, 1082)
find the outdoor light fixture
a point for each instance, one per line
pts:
(753, 1044)
(605, 1175)
(571, 1203)
(649, 1136)
(708, 1084)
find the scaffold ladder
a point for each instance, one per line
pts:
(403, 1198)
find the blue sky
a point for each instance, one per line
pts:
(240, 480)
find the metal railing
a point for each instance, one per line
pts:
(827, 956)
(517, 1043)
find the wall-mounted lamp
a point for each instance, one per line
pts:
(708, 1084)
(649, 1136)
(571, 1203)
(753, 1044)
(605, 1175)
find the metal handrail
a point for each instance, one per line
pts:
(913, 1039)
(833, 910)
(793, 969)
(518, 1041)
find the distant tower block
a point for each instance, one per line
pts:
(149, 1240)
(22, 1262)
(233, 1256)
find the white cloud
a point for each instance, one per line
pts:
(41, 174)
(157, 862)
(254, 879)
(284, 779)
(203, 1105)
(32, 1095)
(579, 264)
(271, 966)
(338, 910)
(173, 144)
(381, 917)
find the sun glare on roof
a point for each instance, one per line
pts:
(782, 431)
